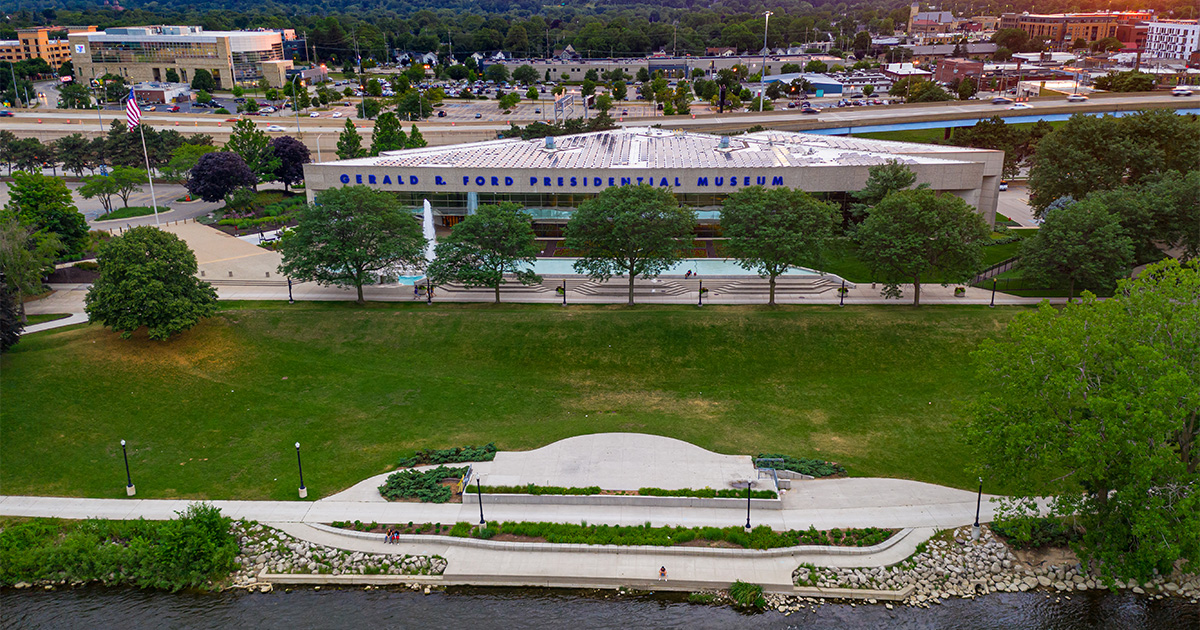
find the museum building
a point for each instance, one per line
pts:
(550, 177)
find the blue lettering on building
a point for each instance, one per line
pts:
(718, 181)
(345, 179)
(412, 179)
(439, 181)
(776, 181)
(358, 179)
(625, 181)
(370, 179)
(508, 181)
(479, 181)
(466, 179)
(676, 181)
(612, 181)
(640, 180)
(702, 181)
(533, 181)
(760, 180)
(596, 181)
(573, 181)
(545, 181)
(663, 182)
(387, 179)
(560, 181)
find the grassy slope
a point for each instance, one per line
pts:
(210, 414)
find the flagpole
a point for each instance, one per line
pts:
(153, 199)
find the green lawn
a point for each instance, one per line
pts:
(215, 412)
(847, 264)
(42, 318)
(130, 212)
(936, 135)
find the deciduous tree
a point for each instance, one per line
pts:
(771, 231)
(1097, 405)
(215, 175)
(1082, 243)
(254, 146)
(348, 236)
(914, 234)
(292, 155)
(485, 246)
(629, 230)
(44, 203)
(148, 278)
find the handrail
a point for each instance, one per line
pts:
(996, 269)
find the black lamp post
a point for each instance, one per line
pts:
(564, 287)
(130, 490)
(479, 494)
(428, 292)
(748, 484)
(300, 467)
(993, 304)
(700, 295)
(290, 300)
(978, 503)
(842, 294)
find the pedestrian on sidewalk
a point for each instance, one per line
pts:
(662, 573)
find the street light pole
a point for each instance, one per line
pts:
(300, 467)
(296, 102)
(748, 484)
(564, 288)
(479, 494)
(978, 503)
(700, 295)
(129, 489)
(842, 294)
(290, 300)
(993, 304)
(762, 76)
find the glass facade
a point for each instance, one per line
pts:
(150, 52)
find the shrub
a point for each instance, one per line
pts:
(461, 530)
(426, 486)
(485, 453)
(747, 595)
(87, 265)
(804, 465)
(701, 598)
(1035, 533)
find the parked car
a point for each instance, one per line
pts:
(1001, 100)
(148, 108)
(1003, 185)
(173, 108)
(1076, 98)
(537, 110)
(276, 128)
(267, 110)
(1020, 106)
(441, 113)
(239, 99)
(478, 115)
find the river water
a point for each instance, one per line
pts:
(518, 609)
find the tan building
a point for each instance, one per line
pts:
(146, 53)
(33, 43)
(550, 177)
(1061, 30)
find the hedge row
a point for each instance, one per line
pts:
(761, 537)
(457, 455)
(702, 493)
(426, 486)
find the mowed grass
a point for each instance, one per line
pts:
(214, 413)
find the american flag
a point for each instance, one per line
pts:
(132, 113)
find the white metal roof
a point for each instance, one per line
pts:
(640, 147)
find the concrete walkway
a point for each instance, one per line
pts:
(70, 320)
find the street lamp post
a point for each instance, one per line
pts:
(130, 490)
(564, 288)
(319, 146)
(700, 295)
(428, 292)
(762, 75)
(842, 294)
(296, 102)
(993, 304)
(300, 467)
(978, 503)
(748, 484)
(479, 494)
(290, 300)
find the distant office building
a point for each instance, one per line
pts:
(1061, 30)
(146, 53)
(35, 43)
(1174, 39)
(951, 70)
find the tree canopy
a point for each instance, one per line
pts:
(217, 174)
(349, 144)
(1097, 405)
(915, 234)
(629, 230)
(770, 231)
(349, 236)
(484, 247)
(148, 278)
(292, 156)
(255, 148)
(44, 203)
(1079, 244)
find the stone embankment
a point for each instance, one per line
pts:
(959, 567)
(267, 550)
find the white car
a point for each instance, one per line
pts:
(276, 128)
(314, 115)
(268, 110)
(337, 114)
(1076, 98)
(1020, 106)
(1181, 91)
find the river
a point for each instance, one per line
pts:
(519, 609)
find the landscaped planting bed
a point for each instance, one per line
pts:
(761, 537)
(701, 493)
(428, 486)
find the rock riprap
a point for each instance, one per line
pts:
(266, 548)
(960, 567)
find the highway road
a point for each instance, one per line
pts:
(322, 132)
